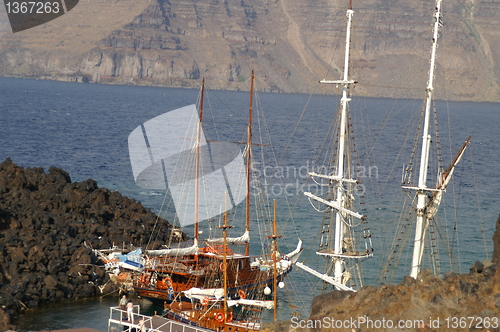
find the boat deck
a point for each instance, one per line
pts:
(143, 323)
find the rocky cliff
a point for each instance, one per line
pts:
(291, 45)
(44, 221)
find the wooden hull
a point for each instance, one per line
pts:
(166, 284)
(212, 319)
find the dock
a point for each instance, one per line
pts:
(143, 323)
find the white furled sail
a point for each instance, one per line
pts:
(193, 250)
(243, 238)
(201, 293)
(254, 303)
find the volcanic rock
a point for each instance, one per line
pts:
(44, 221)
(496, 243)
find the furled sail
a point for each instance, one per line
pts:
(433, 204)
(254, 303)
(175, 251)
(200, 293)
(218, 294)
(244, 238)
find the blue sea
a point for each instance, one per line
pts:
(84, 128)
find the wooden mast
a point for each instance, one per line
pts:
(224, 262)
(275, 251)
(249, 161)
(197, 164)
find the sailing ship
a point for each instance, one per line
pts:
(213, 308)
(168, 273)
(340, 244)
(423, 200)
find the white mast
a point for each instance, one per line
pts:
(422, 220)
(339, 225)
(339, 205)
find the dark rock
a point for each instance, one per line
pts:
(333, 297)
(450, 275)
(51, 282)
(477, 267)
(468, 287)
(44, 221)
(490, 270)
(5, 321)
(437, 299)
(426, 276)
(496, 243)
(7, 301)
(57, 175)
(407, 281)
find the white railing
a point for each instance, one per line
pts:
(144, 323)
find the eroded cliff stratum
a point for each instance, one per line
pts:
(290, 44)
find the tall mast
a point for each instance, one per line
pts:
(249, 160)
(339, 225)
(197, 164)
(422, 220)
(340, 182)
(340, 197)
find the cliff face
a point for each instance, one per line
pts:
(291, 45)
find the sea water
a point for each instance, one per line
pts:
(83, 129)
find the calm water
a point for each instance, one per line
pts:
(83, 129)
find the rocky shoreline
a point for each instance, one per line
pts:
(45, 220)
(466, 302)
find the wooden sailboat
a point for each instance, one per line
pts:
(339, 245)
(170, 272)
(213, 309)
